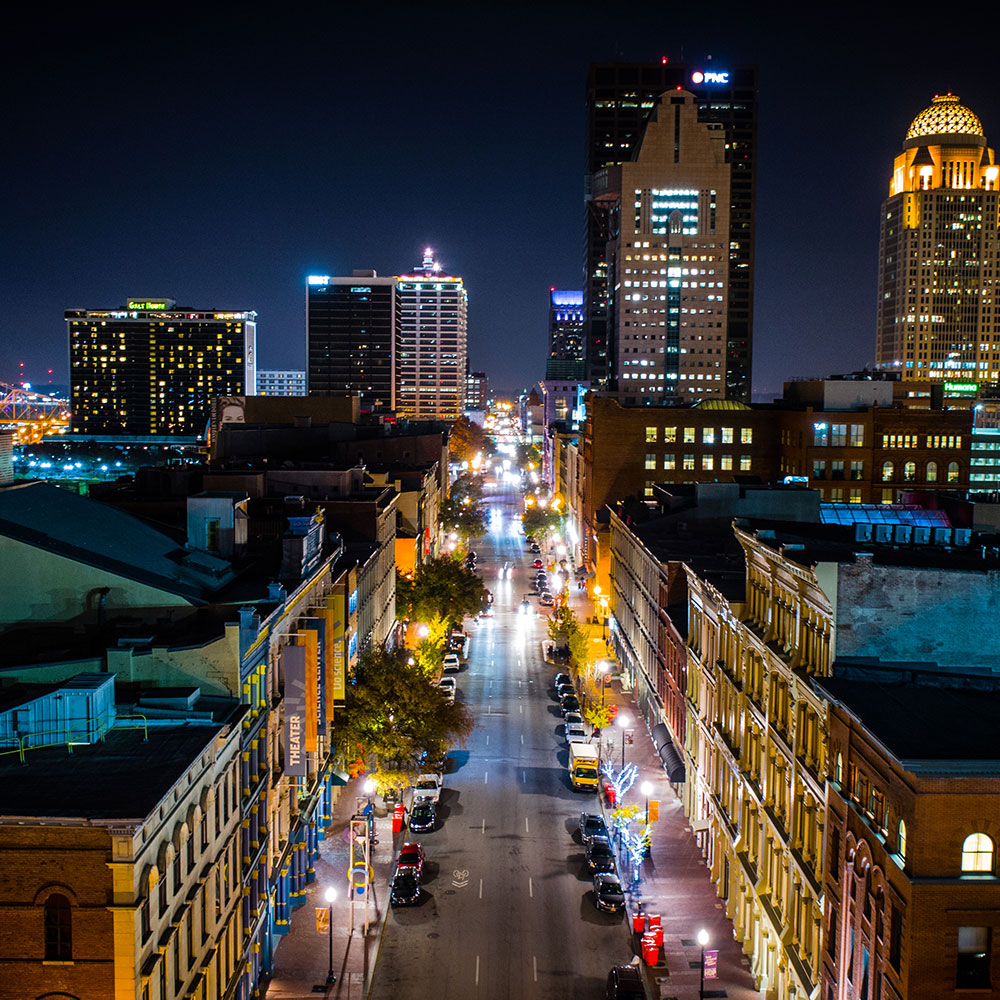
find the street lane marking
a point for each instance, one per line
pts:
(534, 966)
(525, 824)
(487, 739)
(483, 831)
(522, 739)
(486, 778)
(480, 888)
(523, 778)
(520, 709)
(531, 891)
(477, 970)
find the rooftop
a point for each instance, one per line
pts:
(122, 778)
(923, 722)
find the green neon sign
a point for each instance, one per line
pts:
(961, 387)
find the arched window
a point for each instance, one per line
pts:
(838, 769)
(58, 929)
(910, 471)
(932, 472)
(953, 472)
(887, 472)
(901, 840)
(977, 853)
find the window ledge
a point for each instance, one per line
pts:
(54, 962)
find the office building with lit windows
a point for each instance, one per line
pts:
(938, 316)
(668, 258)
(152, 367)
(281, 383)
(351, 328)
(567, 358)
(620, 100)
(477, 391)
(431, 344)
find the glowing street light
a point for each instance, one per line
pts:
(330, 895)
(702, 940)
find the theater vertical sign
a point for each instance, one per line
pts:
(293, 667)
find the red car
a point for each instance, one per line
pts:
(537, 564)
(411, 859)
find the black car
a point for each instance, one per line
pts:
(592, 826)
(423, 816)
(404, 890)
(565, 689)
(608, 892)
(600, 857)
(561, 678)
(625, 983)
(569, 703)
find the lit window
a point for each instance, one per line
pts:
(708, 462)
(689, 463)
(669, 435)
(727, 435)
(650, 435)
(726, 463)
(744, 463)
(650, 460)
(708, 435)
(901, 840)
(689, 435)
(932, 472)
(669, 463)
(977, 853)
(952, 472)
(746, 435)
(887, 472)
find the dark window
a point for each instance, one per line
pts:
(895, 936)
(973, 971)
(58, 929)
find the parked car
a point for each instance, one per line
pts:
(573, 718)
(591, 826)
(565, 689)
(561, 678)
(404, 890)
(423, 816)
(570, 703)
(428, 786)
(537, 564)
(576, 733)
(625, 983)
(447, 688)
(451, 664)
(411, 859)
(600, 857)
(608, 892)
(546, 600)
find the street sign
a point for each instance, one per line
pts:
(712, 964)
(322, 920)
(654, 809)
(629, 737)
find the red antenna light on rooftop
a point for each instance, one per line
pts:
(663, 60)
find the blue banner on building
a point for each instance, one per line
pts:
(293, 668)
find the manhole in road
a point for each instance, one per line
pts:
(434, 934)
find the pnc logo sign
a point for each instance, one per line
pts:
(699, 77)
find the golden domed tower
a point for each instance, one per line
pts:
(938, 252)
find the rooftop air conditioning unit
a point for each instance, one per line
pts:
(862, 531)
(963, 536)
(942, 536)
(883, 533)
(921, 535)
(901, 534)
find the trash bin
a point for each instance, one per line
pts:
(657, 932)
(639, 922)
(650, 949)
(654, 920)
(398, 816)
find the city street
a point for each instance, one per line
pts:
(508, 910)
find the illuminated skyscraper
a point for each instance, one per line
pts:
(567, 349)
(477, 391)
(432, 344)
(668, 258)
(151, 367)
(351, 328)
(938, 317)
(620, 97)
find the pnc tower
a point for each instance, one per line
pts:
(938, 252)
(621, 98)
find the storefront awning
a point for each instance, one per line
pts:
(673, 762)
(660, 735)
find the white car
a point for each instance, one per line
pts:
(576, 733)
(447, 688)
(451, 663)
(428, 786)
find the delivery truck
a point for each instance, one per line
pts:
(583, 766)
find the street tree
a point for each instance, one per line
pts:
(395, 719)
(539, 521)
(440, 588)
(463, 511)
(466, 440)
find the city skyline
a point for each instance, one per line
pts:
(219, 187)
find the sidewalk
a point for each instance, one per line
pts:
(674, 881)
(302, 960)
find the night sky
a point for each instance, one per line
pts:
(219, 155)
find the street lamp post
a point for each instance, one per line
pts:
(646, 788)
(331, 895)
(702, 940)
(623, 721)
(604, 620)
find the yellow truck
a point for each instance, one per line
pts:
(583, 771)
